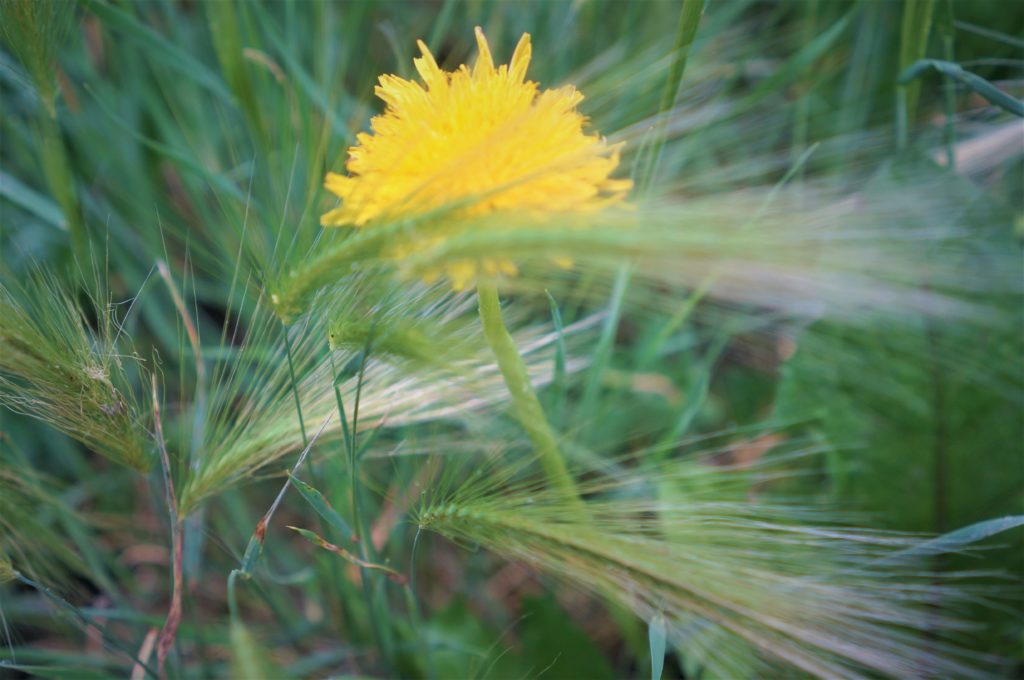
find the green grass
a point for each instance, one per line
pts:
(789, 361)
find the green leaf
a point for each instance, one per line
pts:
(975, 83)
(558, 385)
(465, 646)
(656, 635)
(323, 508)
(32, 201)
(979, 531)
(316, 540)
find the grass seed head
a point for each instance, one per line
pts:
(55, 367)
(746, 587)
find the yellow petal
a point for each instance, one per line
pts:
(427, 67)
(520, 59)
(484, 62)
(335, 183)
(335, 218)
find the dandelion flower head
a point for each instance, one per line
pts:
(477, 141)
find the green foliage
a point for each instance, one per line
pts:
(920, 399)
(798, 339)
(32, 541)
(937, 395)
(551, 643)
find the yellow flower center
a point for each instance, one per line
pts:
(478, 141)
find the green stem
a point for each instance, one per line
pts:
(802, 124)
(226, 27)
(689, 19)
(232, 597)
(375, 606)
(916, 26)
(60, 178)
(949, 86)
(524, 400)
(295, 388)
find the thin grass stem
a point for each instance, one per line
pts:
(689, 19)
(295, 385)
(914, 32)
(949, 85)
(170, 628)
(366, 550)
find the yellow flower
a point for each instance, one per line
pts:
(476, 141)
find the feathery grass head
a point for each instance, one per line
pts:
(34, 30)
(477, 141)
(747, 584)
(253, 421)
(55, 367)
(421, 336)
(29, 541)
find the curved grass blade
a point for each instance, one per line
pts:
(316, 540)
(975, 83)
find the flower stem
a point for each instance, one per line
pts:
(524, 400)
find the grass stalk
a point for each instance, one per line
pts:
(225, 29)
(170, 628)
(374, 608)
(947, 31)
(313, 471)
(193, 525)
(686, 31)
(413, 604)
(524, 399)
(295, 386)
(59, 177)
(801, 124)
(192, 333)
(914, 32)
(255, 546)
